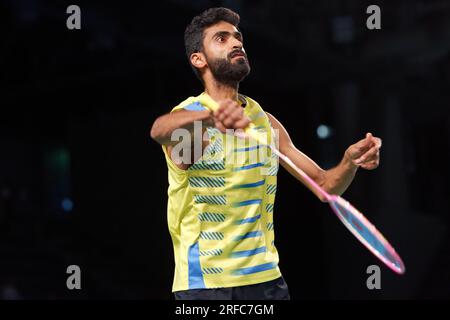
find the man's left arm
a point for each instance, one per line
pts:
(364, 153)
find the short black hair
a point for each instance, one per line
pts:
(193, 35)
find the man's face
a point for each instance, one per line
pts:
(225, 54)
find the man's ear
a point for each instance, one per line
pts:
(198, 60)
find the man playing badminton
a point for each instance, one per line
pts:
(220, 214)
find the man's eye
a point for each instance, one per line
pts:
(220, 39)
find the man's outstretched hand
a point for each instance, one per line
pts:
(365, 153)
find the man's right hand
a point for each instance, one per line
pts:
(230, 115)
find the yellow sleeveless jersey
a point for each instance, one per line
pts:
(220, 210)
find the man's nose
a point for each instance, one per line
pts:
(237, 44)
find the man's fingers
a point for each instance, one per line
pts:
(218, 114)
(372, 157)
(368, 156)
(374, 140)
(222, 113)
(373, 154)
(368, 142)
(242, 124)
(364, 144)
(237, 114)
(228, 109)
(228, 122)
(365, 150)
(236, 122)
(220, 126)
(370, 165)
(229, 114)
(377, 142)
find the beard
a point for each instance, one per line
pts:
(227, 72)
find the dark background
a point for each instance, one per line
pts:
(82, 183)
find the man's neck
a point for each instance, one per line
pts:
(218, 91)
